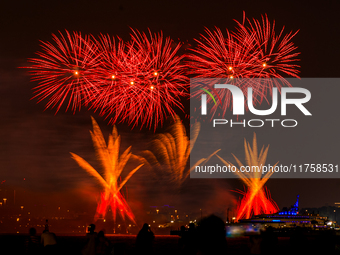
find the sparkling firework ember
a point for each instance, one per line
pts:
(139, 82)
(173, 150)
(113, 165)
(253, 51)
(256, 200)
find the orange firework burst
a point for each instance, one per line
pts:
(113, 165)
(256, 199)
(173, 150)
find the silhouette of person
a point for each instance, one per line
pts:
(144, 240)
(298, 241)
(91, 240)
(48, 240)
(188, 241)
(182, 235)
(255, 244)
(120, 249)
(32, 242)
(269, 241)
(103, 244)
(212, 236)
(325, 242)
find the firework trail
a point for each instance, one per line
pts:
(173, 150)
(113, 165)
(256, 199)
(254, 50)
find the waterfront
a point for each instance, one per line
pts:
(316, 243)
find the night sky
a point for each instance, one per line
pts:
(35, 144)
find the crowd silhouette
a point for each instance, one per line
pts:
(45, 244)
(207, 237)
(144, 240)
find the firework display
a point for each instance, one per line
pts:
(65, 70)
(254, 50)
(113, 165)
(144, 80)
(256, 199)
(173, 150)
(150, 82)
(139, 81)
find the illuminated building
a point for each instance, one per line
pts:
(288, 218)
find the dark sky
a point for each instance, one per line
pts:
(35, 144)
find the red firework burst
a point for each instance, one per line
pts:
(64, 70)
(117, 203)
(110, 75)
(148, 80)
(253, 51)
(276, 52)
(255, 204)
(140, 82)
